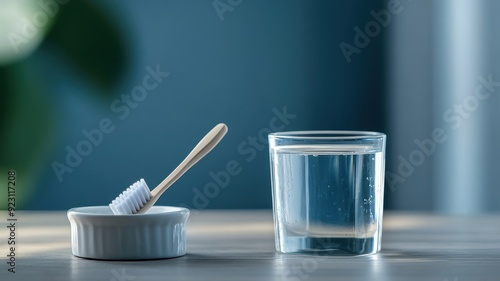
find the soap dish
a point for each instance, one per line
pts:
(97, 233)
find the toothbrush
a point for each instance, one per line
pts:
(137, 199)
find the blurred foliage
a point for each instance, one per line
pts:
(83, 35)
(20, 37)
(90, 41)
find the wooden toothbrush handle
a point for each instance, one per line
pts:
(206, 144)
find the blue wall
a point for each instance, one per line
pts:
(264, 56)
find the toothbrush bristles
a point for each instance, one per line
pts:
(132, 199)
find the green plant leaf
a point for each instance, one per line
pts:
(26, 129)
(22, 29)
(91, 41)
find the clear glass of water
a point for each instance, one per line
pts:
(328, 191)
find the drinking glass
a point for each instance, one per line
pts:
(328, 191)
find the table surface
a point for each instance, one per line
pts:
(239, 245)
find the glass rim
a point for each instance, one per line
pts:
(327, 135)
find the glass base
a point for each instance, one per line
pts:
(329, 246)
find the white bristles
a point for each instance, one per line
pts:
(132, 199)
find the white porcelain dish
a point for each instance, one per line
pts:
(97, 233)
